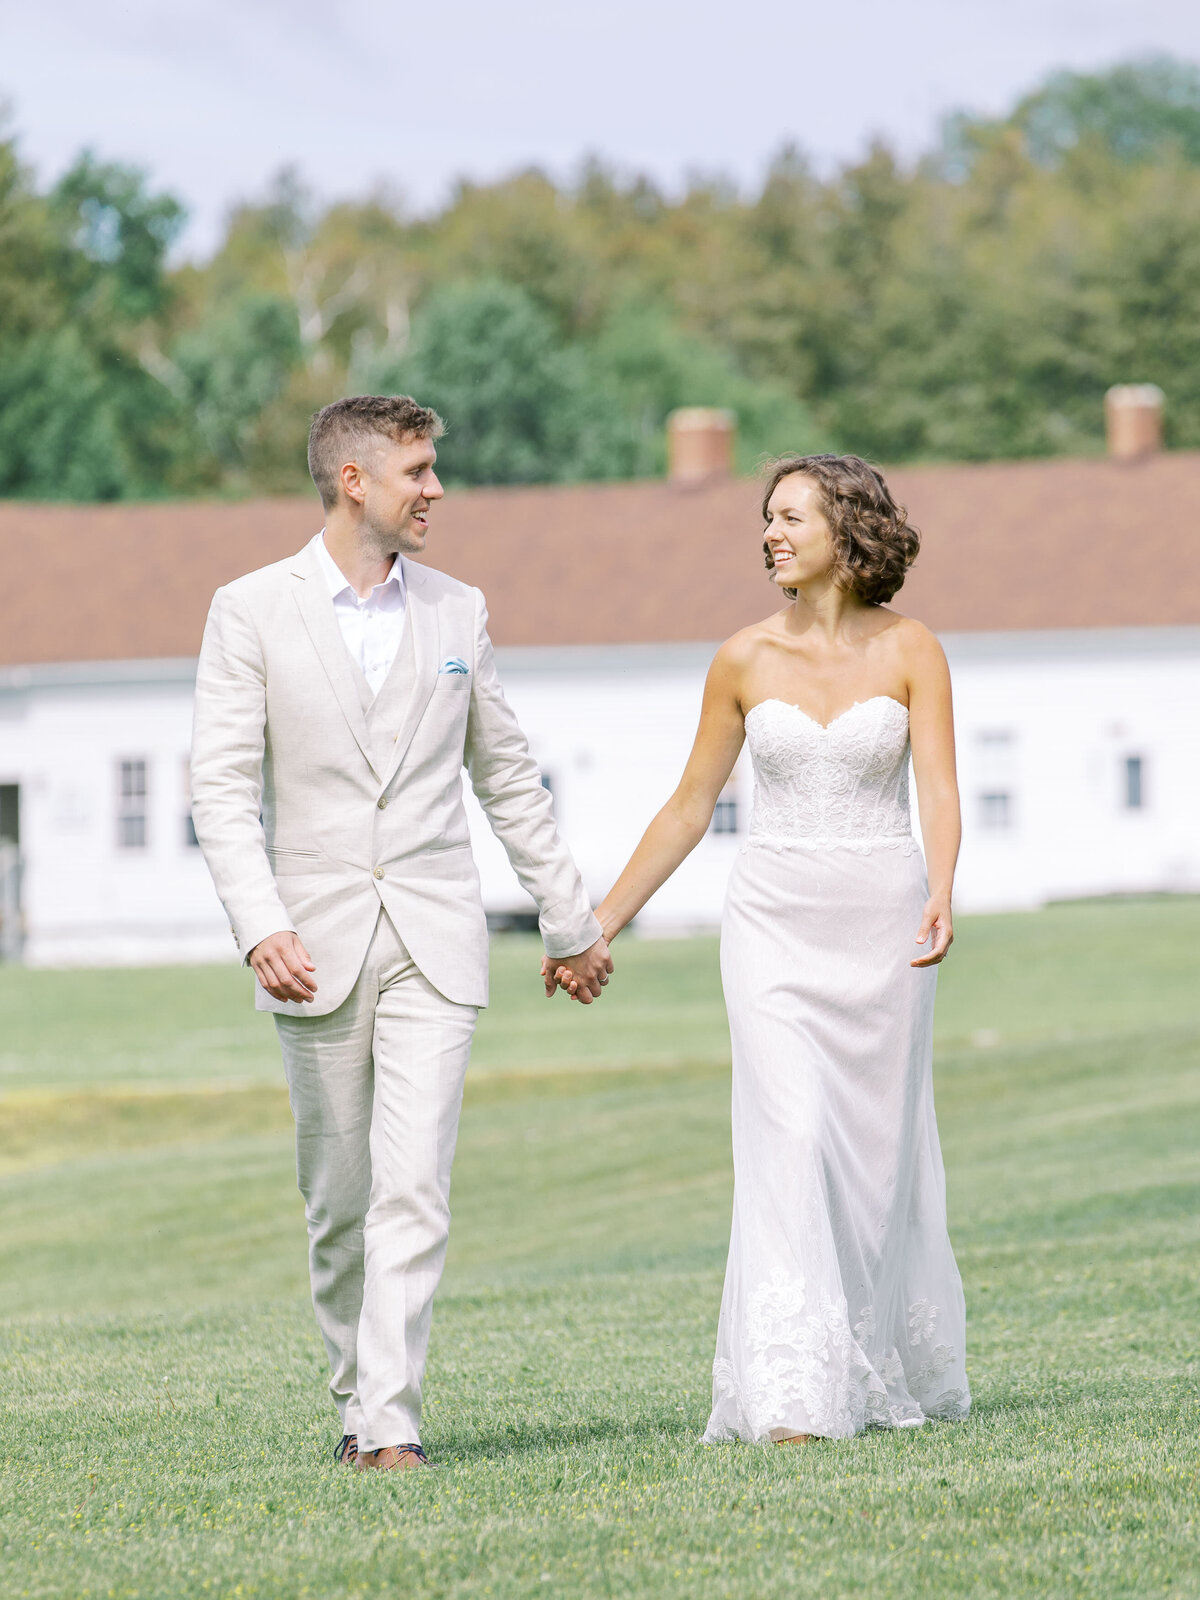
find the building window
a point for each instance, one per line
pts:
(995, 772)
(1135, 783)
(190, 841)
(131, 805)
(996, 809)
(725, 814)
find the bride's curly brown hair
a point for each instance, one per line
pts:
(874, 543)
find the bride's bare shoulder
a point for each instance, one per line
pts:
(918, 648)
(741, 648)
(907, 634)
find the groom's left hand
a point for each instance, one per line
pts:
(583, 976)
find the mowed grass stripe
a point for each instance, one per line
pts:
(164, 1425)
(1091, 969)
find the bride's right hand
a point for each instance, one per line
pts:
(937, 921)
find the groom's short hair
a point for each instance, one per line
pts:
(352, 427)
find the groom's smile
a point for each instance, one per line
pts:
(399, 485)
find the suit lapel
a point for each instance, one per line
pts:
(316, 610)
(421, 623)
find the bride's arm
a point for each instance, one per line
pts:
(931, 728)
(684, 820)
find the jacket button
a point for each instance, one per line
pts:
(382, 802)
(378, 872)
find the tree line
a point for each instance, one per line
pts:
(969, 305)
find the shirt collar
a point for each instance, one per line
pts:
(337, 580)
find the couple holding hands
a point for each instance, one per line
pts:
(339, 695)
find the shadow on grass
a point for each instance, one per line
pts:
(996, 1407)
(531, 1439)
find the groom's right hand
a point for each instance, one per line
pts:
(282, 964)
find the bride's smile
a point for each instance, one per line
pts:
(798, 539)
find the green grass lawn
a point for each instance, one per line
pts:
(165, 1430)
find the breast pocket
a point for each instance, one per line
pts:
(284, 859)
(452, 683)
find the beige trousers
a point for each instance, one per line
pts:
(376, 1090)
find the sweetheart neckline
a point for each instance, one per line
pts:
(774, 700)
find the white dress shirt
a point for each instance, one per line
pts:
(372, 628)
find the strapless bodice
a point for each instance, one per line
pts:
(818, 787)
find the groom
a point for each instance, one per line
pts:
(338, 697)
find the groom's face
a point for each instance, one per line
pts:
(399, 486)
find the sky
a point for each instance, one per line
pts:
(213, 97)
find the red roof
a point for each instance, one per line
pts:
(1040, 544)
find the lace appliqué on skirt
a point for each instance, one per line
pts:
(808, 1372)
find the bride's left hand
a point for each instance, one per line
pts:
(555, 977)
(938, 921)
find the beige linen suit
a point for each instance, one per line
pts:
(339, 815)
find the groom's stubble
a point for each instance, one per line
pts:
(393, 519)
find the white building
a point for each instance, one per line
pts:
(1067, 595)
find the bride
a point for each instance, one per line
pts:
(843, 1307)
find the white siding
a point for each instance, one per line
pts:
(85, 899)
(1079, 704)
(612, 728)
(1046, 719)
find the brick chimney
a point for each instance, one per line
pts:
(699, 444)
(1133, 416)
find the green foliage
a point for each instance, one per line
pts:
(525, 406)
(165, 1423)
(1139, 111)
(82, 280)
(642, 365)
(232, 366)
(114, 240)
(974, 305)
(486, 357)
(59, 438)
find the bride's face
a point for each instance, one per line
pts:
(798, 536)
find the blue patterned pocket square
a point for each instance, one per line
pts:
(453, 664)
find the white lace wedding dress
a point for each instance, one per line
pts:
(843, 1307)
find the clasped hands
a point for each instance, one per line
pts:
(285, 969)
(583, 977)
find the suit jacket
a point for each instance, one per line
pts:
(314, 803)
